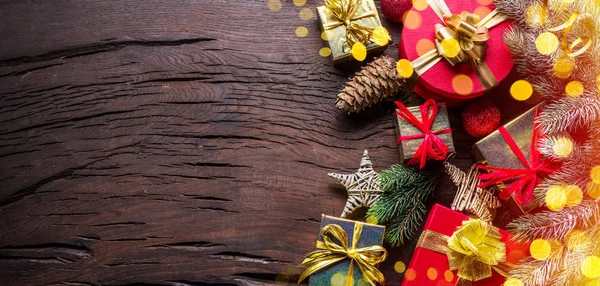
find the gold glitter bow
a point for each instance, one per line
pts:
(474, 249)
(462, 39)
(345, 13)
(330, 252)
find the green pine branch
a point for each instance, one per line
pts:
(401, 207)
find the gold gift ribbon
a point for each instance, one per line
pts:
(462, 39)
(568, 50)
(474, 249)
(344, 14)
(330, 252)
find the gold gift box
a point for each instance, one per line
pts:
(494, 151)
(336, 38)
(408, 148)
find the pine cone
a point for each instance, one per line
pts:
(376, 81)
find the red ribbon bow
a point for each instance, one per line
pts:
(432, 146)
(525, 179)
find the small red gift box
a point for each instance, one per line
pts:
(456, 83)
(429, 267)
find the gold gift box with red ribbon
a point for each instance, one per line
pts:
(420, 127)
(511, 157)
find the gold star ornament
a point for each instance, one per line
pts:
(362, 186)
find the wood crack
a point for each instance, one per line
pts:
(99, 48)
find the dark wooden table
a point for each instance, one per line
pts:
(175, 142)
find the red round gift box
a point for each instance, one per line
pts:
(436, 83)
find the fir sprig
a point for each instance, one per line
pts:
(556, 225)
(402, 205)
(532, 271)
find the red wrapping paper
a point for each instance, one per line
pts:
(436, 83)
(445, 221)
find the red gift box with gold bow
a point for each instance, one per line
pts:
(456, 250)
(456, 48)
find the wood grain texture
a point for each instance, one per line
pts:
(174, 143)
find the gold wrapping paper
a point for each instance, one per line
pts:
(336, 37)
(407, 148)
(493, 150)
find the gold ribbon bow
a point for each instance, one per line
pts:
(330, 252)
(462, 39)
(345, 13)
(474, 249)
(583, 42)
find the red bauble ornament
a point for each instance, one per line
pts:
(395, 9)
(480, 117)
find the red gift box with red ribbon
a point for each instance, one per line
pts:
(464, 48)
(513, 161)
(430, 267)
(423, 132)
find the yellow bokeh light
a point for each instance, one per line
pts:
(380, 36)
(299, 2)
(448, 275)
(339, 279)
(399, 267)
(274, 5)
(432, 273)
(595, 175)
(575, 239)
(462, 84)
(546, 43)
(556, 198)
(563, 147)
(521, 90)
(563, 68)
(593, 190)
(513, 282)
(484, 2)
(301, 31)
(359, 52)
(306, 14)
(590, 267)
(362, 282)
(324, 36)
(412, 20)
(598, 82)
(540, 249)
(404, 68)
(325, 52)
(574, 195)
(482, 11)
(450, 47)
(424, 46)
(595, 282)
(410, 274)
(574, 89)
(420, 5)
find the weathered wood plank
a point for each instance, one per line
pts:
(173, 143)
